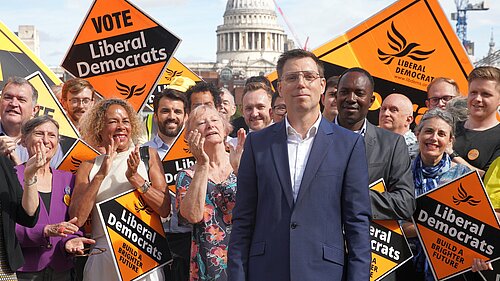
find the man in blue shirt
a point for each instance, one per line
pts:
(170, 114)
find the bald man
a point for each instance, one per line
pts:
(396, 115)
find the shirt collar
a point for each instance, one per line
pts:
(159, 142)
(361, 132)
(310, 133)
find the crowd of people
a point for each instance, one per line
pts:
(279, 193)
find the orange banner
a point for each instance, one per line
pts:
(456, 223)
(404, 47)
(178, 157)
(121, 51)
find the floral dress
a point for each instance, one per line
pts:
(210, 237)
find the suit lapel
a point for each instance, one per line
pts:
(370, 140)
(279, 153)
(318, 152)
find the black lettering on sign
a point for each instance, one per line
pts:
(45, 111)
(110, 21)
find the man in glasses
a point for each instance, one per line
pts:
(77, 97)
(440, 91)
(278, 108)
(302, 191)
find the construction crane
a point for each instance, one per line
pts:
(297, 39)
(461, 17)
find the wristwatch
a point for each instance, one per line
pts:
(454, 154)
(144, 187)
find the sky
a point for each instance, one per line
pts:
(195, 22)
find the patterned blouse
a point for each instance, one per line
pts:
(210, 239)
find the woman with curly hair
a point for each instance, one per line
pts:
(114, 125)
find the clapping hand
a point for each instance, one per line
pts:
(8, 148)
(196, 143)
(108, 158)
(133, 161)
(76, 245)
(36, 161)
(61, 229)
(236, 152)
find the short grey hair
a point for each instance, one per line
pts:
(19, 81)
(458, 108)
(31, 124)
(437, 113)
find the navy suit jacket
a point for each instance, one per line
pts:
(275, 238)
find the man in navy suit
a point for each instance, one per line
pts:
(302, 191)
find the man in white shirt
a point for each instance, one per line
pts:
(302, 191)
(257, 109)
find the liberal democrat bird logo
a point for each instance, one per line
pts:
(141, 206)
(130, 91)
(172, 73)
(76, 164)
(463, 197)
(402, 48)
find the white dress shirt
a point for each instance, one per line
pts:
(298, 152)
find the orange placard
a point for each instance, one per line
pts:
(404, 47)
(121, 51)
(178, 157)
(79, 153)
(389, 246)
(135, 233)
(455, 224)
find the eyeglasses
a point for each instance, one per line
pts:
(293, 77)
(435, 100)
(76, 101)
(280, 108)
(88, 252)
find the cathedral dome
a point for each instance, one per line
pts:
(250, 4)
(250, 33)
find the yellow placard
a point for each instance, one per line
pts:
(135, 234)
(389, 246)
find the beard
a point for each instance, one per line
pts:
(171, 133)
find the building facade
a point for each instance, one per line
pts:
(249, 43)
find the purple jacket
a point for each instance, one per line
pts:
(40, 252)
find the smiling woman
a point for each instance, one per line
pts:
(44, 246)
(431, 169)
(114, 126)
